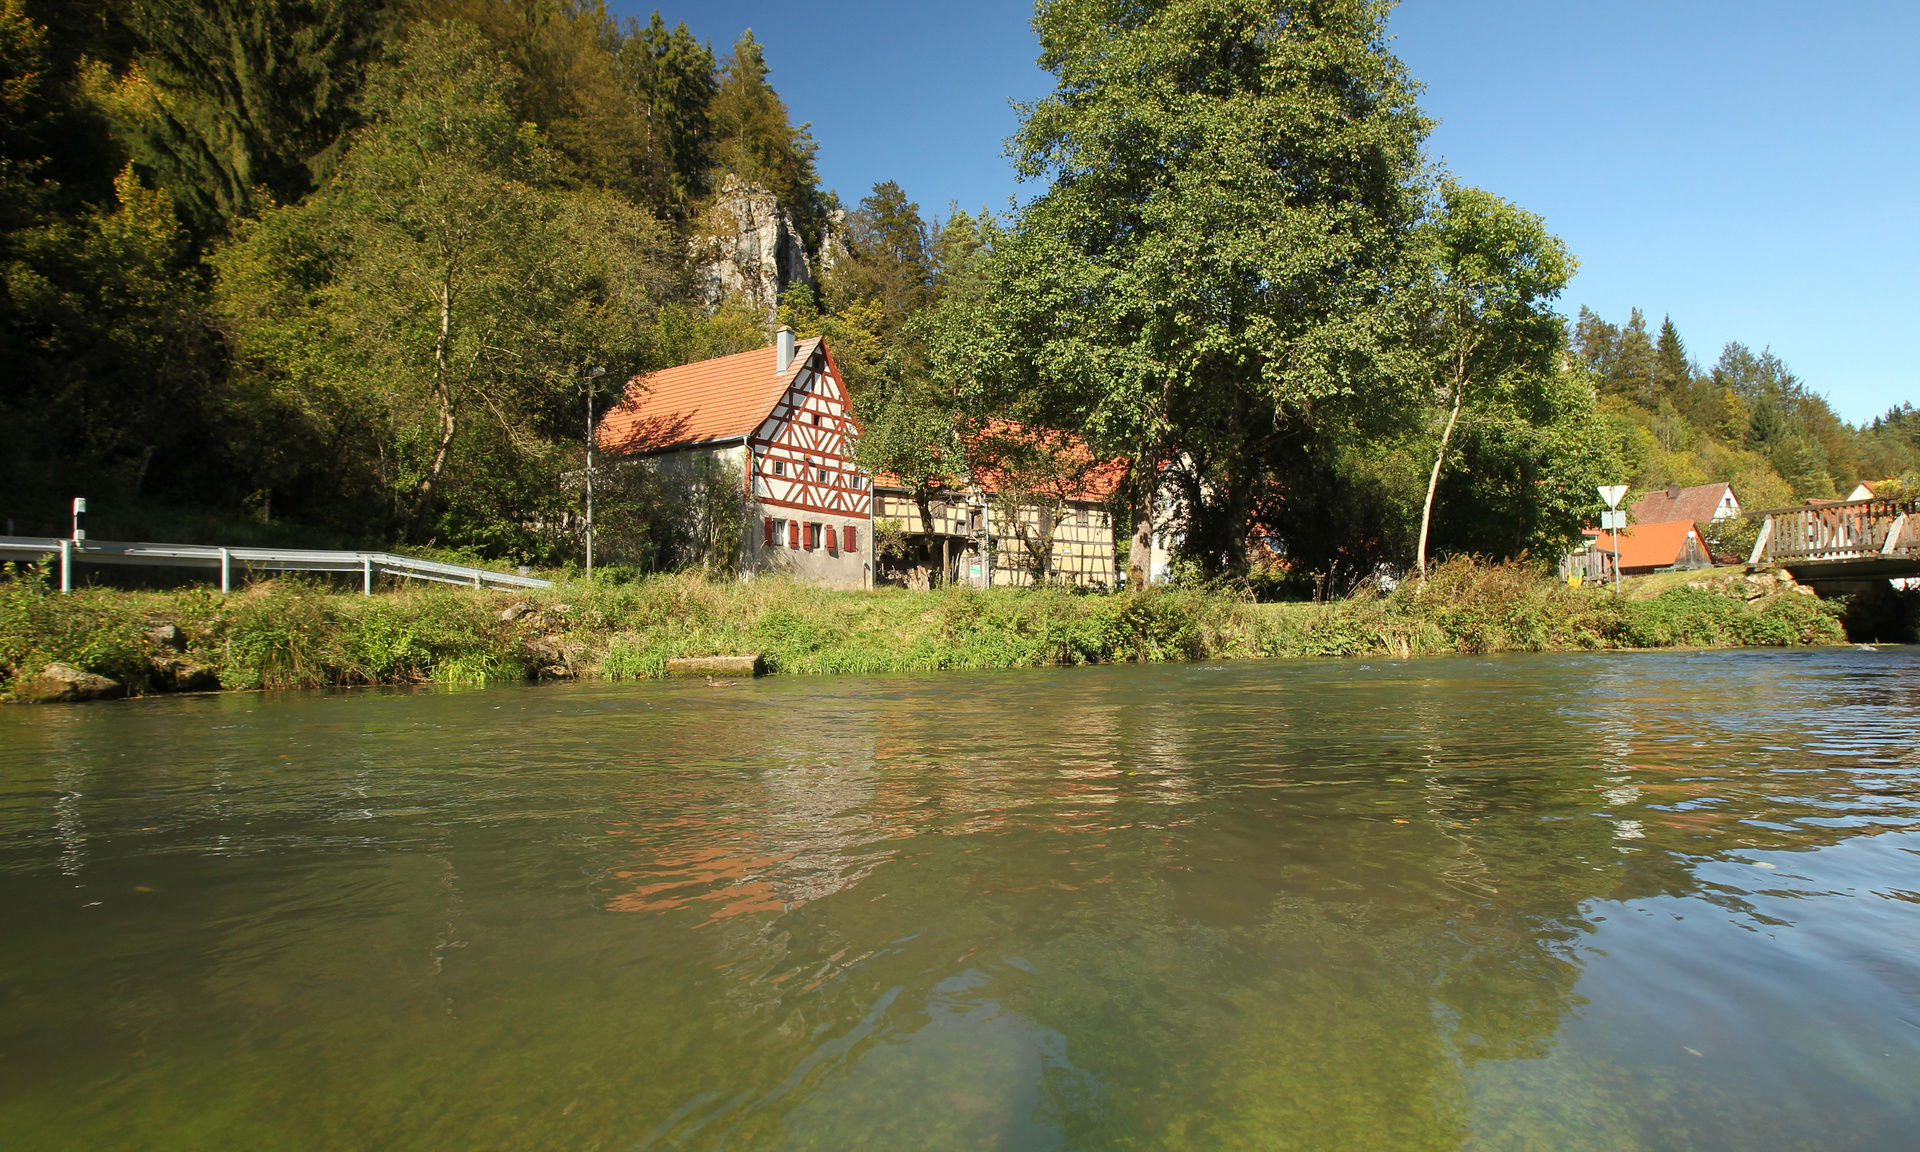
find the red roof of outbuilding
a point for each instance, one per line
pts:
(725, 398)
(1650, 545)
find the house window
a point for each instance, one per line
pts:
(813, 535)
(772, 525)
(820, 474)
(849, 539)
(833, 541)
(816, 419)
(779, 467)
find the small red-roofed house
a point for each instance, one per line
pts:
(777, 419)
(1645, 548)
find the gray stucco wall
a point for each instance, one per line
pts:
(836, 569)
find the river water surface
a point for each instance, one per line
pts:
(1658, 901)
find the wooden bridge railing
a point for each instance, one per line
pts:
(1847, 530)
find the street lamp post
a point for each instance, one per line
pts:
(593, 373)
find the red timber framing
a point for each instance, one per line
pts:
(801, 453)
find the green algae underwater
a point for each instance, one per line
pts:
(1591, 901)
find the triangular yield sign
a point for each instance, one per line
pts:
(1611, 493)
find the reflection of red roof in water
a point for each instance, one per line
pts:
(720, 399)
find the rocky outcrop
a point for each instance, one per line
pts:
(747, 247)
(58, 683)
(833, 243)
(172, 674)
(553, 657)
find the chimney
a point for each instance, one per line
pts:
(1673, 491)
(783, 350)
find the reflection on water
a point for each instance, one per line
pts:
(1660, 901)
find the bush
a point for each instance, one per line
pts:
(287, 634)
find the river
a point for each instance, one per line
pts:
(1641, 901)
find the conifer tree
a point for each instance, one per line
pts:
(755, 140)
(1632, 372)
(1672, 372)
(888, 255)
(225, 99)
(670, 82)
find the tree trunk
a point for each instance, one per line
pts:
(442, 396)
(1140, 552)
(1433, 482)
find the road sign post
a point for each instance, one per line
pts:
(1614, 520)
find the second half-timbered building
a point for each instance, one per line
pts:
(777, 420)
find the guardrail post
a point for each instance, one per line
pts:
(226, 571)
(366, 575)
(66, 565)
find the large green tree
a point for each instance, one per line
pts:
(431, 312)
(1215, 259)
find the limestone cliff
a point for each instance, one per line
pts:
(746, 246)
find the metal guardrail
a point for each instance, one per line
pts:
(367, 564)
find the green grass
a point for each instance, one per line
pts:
(287, 634)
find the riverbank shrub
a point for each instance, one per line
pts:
(289, 634)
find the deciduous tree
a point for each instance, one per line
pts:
(1488, 328)
(452, 291)
(1216, 253)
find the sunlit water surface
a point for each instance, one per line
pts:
(1663, 901)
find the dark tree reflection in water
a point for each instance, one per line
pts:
(1606, 902)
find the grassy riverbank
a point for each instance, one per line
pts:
(282, 634)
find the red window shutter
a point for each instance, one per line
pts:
(793, 533)
(833, 543)
(769, 531)
(849, 539)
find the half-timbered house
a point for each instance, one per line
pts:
(999, 524)
(778, 419)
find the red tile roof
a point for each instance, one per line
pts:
(1650, 545)
(720, 399)
(1089, 479)
(1696, 503)
(1096, 479)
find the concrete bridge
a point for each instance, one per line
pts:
(1847, 542)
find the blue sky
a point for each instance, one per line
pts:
(1751, 167)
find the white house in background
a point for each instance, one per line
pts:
(778, 418)
(1700, 504)
(1868, 489)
